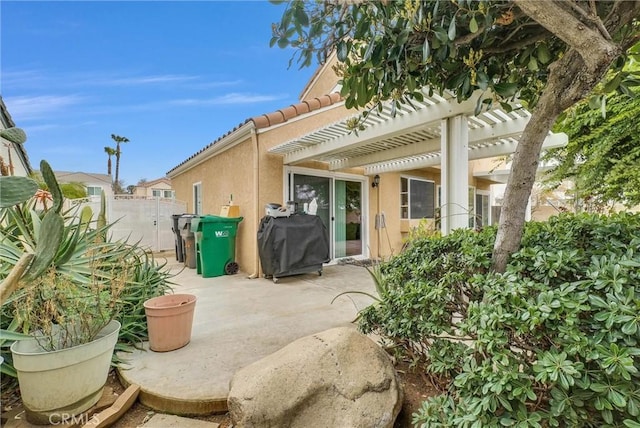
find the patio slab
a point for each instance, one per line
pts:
(238, 321)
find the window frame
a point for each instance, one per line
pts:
(99, 188)
(407, 193)
(197, 198)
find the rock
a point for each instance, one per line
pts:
(336, 378)
(160, 420)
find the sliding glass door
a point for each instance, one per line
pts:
(348, 218)
(338, 203)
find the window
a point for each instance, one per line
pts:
(479, 209)
(161, 193)
(417, 198)
(94, 190)
(197, 198)
(482, 209)
(472, 206)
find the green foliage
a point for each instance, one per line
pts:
(78, 281)
(14, 190)
(15, 135)
(552, 341)
(603, 153)
(390, 50)
(73, 190)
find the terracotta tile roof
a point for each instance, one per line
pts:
(294, 110)
(274, 118)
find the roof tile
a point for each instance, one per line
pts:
(289, 112)
(276, 117)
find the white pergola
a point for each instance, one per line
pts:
(438, 131)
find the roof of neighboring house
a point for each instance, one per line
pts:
(82, 177)
(165, 180)
(7, 122)
(274, 118)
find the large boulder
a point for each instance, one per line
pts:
(337, 378)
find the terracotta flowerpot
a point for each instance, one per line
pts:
(169, 320)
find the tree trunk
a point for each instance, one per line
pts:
(569, 81)
(117, 166)
(109, 165)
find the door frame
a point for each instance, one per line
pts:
(332, 175)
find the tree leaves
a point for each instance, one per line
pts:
(526, 348)
(452, 29)
(473, 25)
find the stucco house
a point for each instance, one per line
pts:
(94, 182)
(159, 188)
(371, 187)
(14, 157)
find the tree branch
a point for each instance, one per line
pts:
(468, 38)
(596, 20)
(621, 14)
(590, 17)
(592, 46)
(520, 44)
(517, 29)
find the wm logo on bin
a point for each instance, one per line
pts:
(222, 233)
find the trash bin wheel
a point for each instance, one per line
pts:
(231, 268)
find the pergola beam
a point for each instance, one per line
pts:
(497, 149)
(509, 128)
(393, 126)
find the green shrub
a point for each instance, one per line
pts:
(553, 341)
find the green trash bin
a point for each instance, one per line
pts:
(215, 245)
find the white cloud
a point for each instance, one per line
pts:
(231, 98)
(36, 107)
(142, 80)
(22, 78)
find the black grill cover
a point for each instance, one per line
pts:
(292, 245)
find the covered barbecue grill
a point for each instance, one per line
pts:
(292, 245)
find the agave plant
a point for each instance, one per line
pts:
(62, 278)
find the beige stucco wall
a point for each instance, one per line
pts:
(147, 190)
(228, 173)
(323, 82)
(233, 172)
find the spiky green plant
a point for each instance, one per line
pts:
(74, 259)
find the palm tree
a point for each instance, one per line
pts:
(118, 139)
(110, 151)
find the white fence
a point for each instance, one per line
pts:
(139, 218)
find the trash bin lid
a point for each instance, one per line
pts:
(184, 222)
(218, 219)
(195, 224)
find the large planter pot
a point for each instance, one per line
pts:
(56, 385)
(169, 320)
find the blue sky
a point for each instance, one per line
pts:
(169, 76)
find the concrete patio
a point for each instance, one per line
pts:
(238, 321)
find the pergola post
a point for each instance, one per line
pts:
(454, 179)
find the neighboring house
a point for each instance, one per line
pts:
(94, 182)
(370, 187)
(12, 155)
(160, 188)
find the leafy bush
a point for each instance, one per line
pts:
(553, 341)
